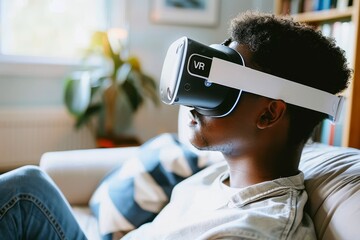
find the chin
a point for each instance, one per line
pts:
(199, 143)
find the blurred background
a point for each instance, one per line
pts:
(61, 77)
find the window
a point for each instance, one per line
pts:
(51, 29)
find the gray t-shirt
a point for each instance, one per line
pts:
(202, 207)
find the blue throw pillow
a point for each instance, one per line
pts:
(135, 193)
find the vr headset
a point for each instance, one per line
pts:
(212, 78)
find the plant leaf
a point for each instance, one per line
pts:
(123, 73)
(150, 88)
(146, 86)
(134, 62)
(130, 90)
(77, 95)
(85, 117)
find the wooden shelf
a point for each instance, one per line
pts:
(325, 15)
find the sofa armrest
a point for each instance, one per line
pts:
(78, 172)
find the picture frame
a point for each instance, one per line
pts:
(185, 12)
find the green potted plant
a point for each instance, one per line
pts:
(105, 95)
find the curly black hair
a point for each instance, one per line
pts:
(297, 52)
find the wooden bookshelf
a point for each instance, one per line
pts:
(351, 129)
(325, 15)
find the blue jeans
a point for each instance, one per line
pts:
(32, 207)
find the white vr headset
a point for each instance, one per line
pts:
(211, 79)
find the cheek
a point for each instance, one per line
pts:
(219, 130)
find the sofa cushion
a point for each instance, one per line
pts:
(332, 180)
(87, 222)
(134, 193)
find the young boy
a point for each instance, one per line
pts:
(259, 193)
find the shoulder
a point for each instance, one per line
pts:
(261, 230)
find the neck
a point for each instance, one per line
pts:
(260, 166)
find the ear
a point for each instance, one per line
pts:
(274, 111)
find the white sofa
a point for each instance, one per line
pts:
(78, 173)
(332, 179)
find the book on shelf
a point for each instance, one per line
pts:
(343, 34)
(331, 133)
(301, 6)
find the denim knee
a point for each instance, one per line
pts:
(27, 179)
(30, 172)
(31, 204)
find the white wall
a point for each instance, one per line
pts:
(148, 41)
